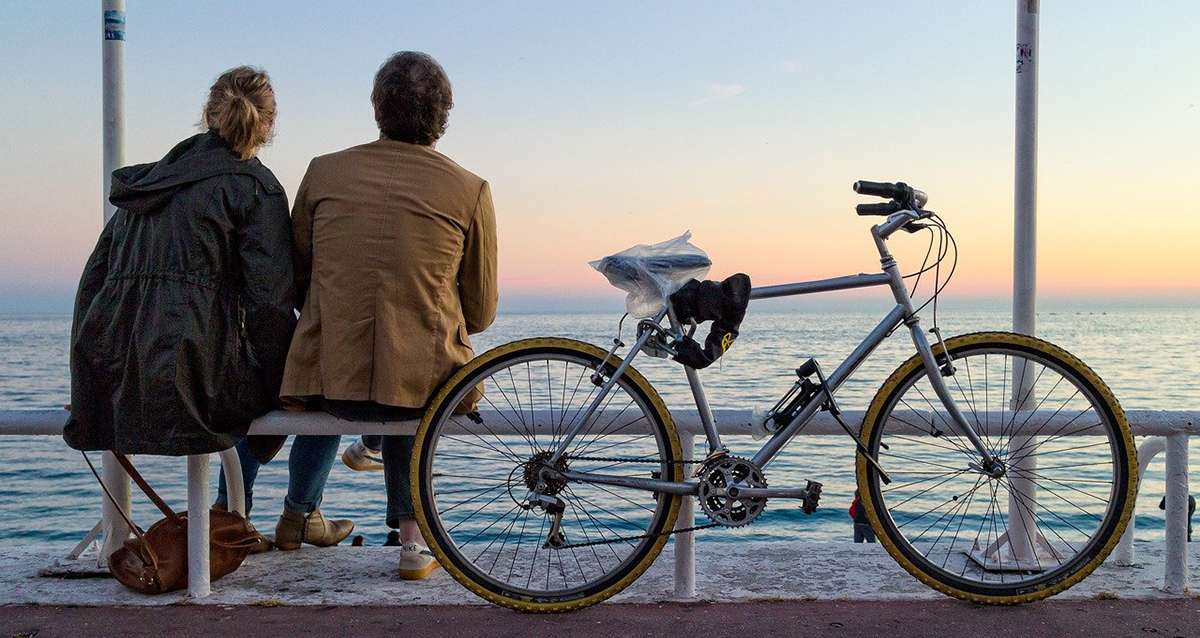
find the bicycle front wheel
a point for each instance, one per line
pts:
(473, 476)
(1065, 491)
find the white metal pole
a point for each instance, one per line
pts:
(1021, 510)
(235, 489)
(685, 542)
(115, 530)
(199, 581)
(112, 16)
(1175, 565)
(1125, 555)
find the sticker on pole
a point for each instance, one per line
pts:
(114, 25)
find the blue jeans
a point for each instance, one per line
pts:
(397, 450)
(863, 533)
(309, 463)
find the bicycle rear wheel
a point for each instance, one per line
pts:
(1069, 480)
(472, 477)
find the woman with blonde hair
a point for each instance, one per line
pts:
(186, 307)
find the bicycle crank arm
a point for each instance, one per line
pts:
(766, 492)
(684, 488)
(810, 494)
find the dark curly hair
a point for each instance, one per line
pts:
(412, 98)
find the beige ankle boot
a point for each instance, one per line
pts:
(295, 528)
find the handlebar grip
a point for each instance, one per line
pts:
(878, 189)
(883, 210)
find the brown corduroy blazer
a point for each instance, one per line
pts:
(396, 266)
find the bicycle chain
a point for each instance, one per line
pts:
(622, 539)
(629, 460)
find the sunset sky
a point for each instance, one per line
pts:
(601, 125)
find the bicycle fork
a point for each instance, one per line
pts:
(937, 381)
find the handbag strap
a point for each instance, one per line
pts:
(145, 487)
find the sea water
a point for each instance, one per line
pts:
(1150, 357)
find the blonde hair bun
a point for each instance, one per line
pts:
(241, 109)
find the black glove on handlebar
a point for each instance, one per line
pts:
(723, 303)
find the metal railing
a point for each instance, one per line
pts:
(1169, 431)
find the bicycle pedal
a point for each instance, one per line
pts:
(813, 496)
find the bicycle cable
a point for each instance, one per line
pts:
(925, 267)
(939, 284)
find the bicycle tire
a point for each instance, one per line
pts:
(1109, 532)
(443, 547)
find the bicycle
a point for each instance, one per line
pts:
(565, 488)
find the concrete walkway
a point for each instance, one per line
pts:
(845, 619)
(727, 572)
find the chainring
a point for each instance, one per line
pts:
(716, 475)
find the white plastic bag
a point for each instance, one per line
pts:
(651, 273)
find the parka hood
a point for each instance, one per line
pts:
(146, 188)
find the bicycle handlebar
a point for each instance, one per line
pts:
(878, 189)
(899, 191)
(883, 210)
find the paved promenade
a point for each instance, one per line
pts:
(801, 589)
(726, 572)
(844, 619)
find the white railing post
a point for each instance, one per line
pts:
(199, 584)
(234, 488)
(685, 542)
(1149, 449)
(113, 525)
(1175, 567)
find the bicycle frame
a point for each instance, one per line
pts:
(901, 314)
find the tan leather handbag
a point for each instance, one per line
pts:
(155, 561)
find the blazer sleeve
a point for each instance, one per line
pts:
(302, 237)
(268, 285)
(477, 286)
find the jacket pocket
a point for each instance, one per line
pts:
(463, 337)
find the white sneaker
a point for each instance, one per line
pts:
(361, 458)
(416, 562)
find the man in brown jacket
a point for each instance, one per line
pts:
(396, 261)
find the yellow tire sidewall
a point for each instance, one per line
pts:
(1054, 353)
(436, 407)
